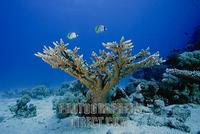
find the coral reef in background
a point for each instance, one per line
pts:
(22, 109)
(189, 76)
(70, 86)
(181, 83)
(192, 45)
(142, 91)
(40, 92)
(106, 69)
(152, 73)
(9, 93)
(178, 86)
(177, 78)
(186, 60)
(181, 86)
(37, 92)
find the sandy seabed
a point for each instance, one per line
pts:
(46, 122)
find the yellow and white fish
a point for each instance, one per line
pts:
(100, 29)
(72, 35)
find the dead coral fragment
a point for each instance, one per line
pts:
(106, 69)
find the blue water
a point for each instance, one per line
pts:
(27, 25)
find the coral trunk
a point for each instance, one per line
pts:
(100, 97)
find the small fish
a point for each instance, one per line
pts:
(100, 29)
(72, 35)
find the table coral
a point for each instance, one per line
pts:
(106, 69)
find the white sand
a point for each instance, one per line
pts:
(47, 123)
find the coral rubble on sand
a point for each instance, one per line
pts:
(22, 109)
(173, 117)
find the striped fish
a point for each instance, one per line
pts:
(72, 35)
(100, 29)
